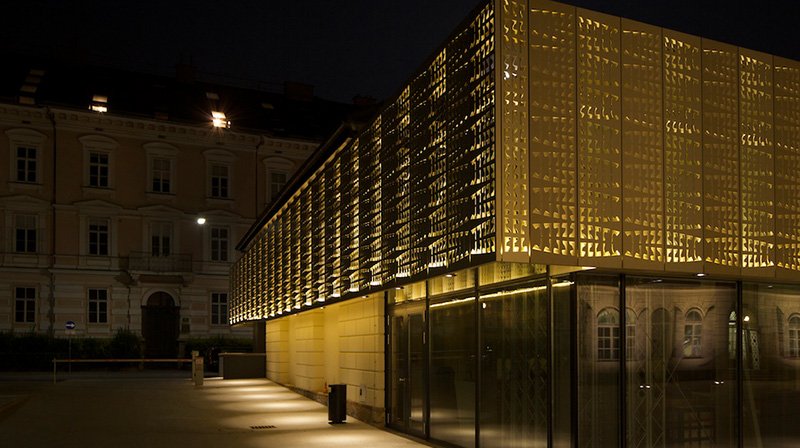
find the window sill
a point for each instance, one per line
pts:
(98, 191)
(25, 186)
(154, 195)
(219, 201)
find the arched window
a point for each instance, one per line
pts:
(794, 336)
(692, 332)
(608, 335)
(630, 334)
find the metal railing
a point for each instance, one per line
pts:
(139, 361)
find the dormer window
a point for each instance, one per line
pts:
(99, 103)
(219, 120)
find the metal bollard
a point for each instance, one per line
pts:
(197, 368)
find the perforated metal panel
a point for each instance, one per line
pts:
(721, 198)
(683, 157)
(599, 139)
(411, 193)
(642, 146)
(787, 165)
(512, 151)
(617, 144)
(757, 163)
(553, 175)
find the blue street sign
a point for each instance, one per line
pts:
(70, 325)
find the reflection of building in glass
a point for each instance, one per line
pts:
(569, 229)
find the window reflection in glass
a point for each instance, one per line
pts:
(598, 345)
(680, 387)
(770, 325)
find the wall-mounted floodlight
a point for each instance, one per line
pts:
(201, 220)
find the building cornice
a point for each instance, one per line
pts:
(36, 117)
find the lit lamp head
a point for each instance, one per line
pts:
(201, 220)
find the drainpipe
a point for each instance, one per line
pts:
(51, 298)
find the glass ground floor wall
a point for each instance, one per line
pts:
(511, 356)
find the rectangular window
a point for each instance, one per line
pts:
(277, 182)
(98, 237)
(25, 233)
(98, 169)
(162, 173)
(219, 308)
(219, 244)
(26, 164)
(219, 181)
(25, 305)
(161, 239)
(98, 306)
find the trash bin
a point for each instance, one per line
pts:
(337, 403)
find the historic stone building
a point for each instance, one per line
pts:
(124, 194)
(568, 229)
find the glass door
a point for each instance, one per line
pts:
(408, 370)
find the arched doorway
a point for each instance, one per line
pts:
(160, 320)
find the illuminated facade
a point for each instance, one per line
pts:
(461, 260)
(104, 176)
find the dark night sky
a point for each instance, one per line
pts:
(343, 48)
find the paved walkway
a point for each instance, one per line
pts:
(132, 409)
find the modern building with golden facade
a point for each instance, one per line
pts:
(568, 229)
(122, 196)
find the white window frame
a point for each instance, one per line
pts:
(29, 139)
(693, 334)
(101, 305)
(608, 335)
(27, 304)
(217, 317)
(221, 158)
(94, 221)
(793, 328)
(159, 151)
(280, 166)
(99, 169)
(161, 232)
(219, 191)
(161, 175)
(220, 247)
(97, 144)
(27, 237)
(275, 188)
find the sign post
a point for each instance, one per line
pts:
(70, 330)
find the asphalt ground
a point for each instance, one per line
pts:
(164, 409)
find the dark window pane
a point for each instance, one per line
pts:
(453, 372)
(514, 360)
(598, 381)
(771, 370)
